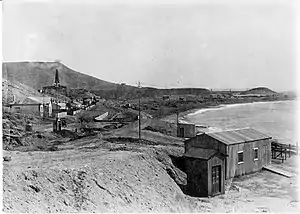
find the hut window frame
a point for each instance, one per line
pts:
(240, 161)
(255, 154)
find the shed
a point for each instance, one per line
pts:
(246, 150)
(186, 130)
(40, 100)
(33, 105)
(205, 172)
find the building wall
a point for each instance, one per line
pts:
(205, 141)
(232, 168)
(249, 165)
(189, 130)
(197, 182)
(214, 161)
(32, 110)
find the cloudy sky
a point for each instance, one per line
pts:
(213, 44)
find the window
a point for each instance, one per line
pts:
(240, 157)
(255, 154)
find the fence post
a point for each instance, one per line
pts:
(285, 153)
(281, 153)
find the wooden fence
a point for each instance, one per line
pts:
(281, 151)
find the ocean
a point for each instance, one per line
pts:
(277, 119)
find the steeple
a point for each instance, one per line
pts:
(56, 78)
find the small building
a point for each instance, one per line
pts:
(236, 152)
(166, 97)
(62, 106)
(186, 130)
(33, 105)
(205, 172)
(59, 109)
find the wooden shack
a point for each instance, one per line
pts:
(205, 172)
(186, 130)
(244, 151)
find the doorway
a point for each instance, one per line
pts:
(181, 132)
(216, 179)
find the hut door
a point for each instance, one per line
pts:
(264, 155)
(181, 132)
(216, 179)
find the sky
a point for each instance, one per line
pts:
(212, 44)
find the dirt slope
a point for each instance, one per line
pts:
(16, 92)
(94, 175)
(90, 180)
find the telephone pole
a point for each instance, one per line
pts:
(177, 123)
(139, 86)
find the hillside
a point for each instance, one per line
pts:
(114, 174)
(16, 91)
(39, 74)
(259, 90)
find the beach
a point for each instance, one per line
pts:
(277, 119)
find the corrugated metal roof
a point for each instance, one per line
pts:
(38, 99)
(200, 153)
(238, 136)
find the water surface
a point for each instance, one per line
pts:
(277, 119)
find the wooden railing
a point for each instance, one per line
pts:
(280, 151)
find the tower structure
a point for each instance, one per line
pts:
(56, 78)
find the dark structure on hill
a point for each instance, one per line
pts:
(56, 87)
(186, 130)
(56, 78)
(211, 158)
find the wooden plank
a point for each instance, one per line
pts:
(276, 170)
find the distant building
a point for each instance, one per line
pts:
(186, 130)
(166, 97)
(59, 110)
(211, 158)
(39, 106)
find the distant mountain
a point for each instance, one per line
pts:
(259, 90)
(39, 74)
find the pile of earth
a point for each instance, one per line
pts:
(96, 180)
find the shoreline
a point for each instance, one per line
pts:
(183, 115)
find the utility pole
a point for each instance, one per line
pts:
(43, 104)
(177, 123)
(139, 86)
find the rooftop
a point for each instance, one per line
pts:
(40, 99)
(200, 153)
(238, 136)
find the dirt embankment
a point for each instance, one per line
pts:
(95, 176)
(120, 173)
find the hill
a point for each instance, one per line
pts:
(259, 90)
(16, 91)
(39, 74)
